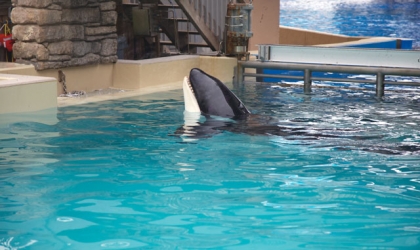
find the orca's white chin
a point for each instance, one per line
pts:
(190, 101)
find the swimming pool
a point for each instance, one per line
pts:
(389, 18)
(113, 175)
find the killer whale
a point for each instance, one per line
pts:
(207, 97)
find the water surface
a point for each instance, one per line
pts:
(388, 18)
(112, 175)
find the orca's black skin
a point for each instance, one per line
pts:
(224, 111)
(214, 98)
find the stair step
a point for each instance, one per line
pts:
(166, 43)
(189, 32)
(199, 44)
(191, 44)
(178, 19)
(168, 6)
(184, 32)
(126, 2)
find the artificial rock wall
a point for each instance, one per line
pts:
(53, 34)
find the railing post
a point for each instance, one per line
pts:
(307, 82)
(380, 86)
(239, 73)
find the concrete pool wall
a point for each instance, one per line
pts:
(23, 89)
(20, 93)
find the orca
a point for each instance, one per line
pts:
(212, 108)
(208, 95)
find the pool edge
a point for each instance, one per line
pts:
(39, 90)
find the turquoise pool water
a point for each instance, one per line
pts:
(389, 18)
(113, 175)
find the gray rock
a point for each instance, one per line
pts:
(105, 6)
(48, 65)
(81, 48)
(73, 3)
(21, 15)
(61, 48)
(49, 34)
(101, 30)
(33, 3)
(25, 33)
(85, 60)
(109, 47)
(53, 34)
(96, 47)
(81, 15)
(73, 32)
(24, 50)
(109, 59)
(109, 18)
(98, 38)
(59, 58)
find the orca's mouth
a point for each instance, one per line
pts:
(190, 99)
(189, 85)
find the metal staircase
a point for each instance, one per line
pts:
(184, 26)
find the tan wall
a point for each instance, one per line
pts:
(152, 72)
(219, 67)
(128, 74)
(17, 69)
(35, 96)
(83, 78)
(295, 36)
(265, 23)
(169, 71)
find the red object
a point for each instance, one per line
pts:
(2, 36)
(8, 42)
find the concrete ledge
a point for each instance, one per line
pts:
(86, 78)
(135, 78)
(20, 93)
(219, 67)
(168, 70)
(296, 36)
(83, 78)
(17, 69)
(375, 43)
(26, 93)
(152, 72)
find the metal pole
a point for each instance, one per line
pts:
(333, 68)
(240, 73)
(307, 82)
(235, 74)
(380, 72)
(380, 86)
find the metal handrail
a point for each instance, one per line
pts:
(308, 68)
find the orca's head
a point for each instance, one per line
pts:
(208, 95)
